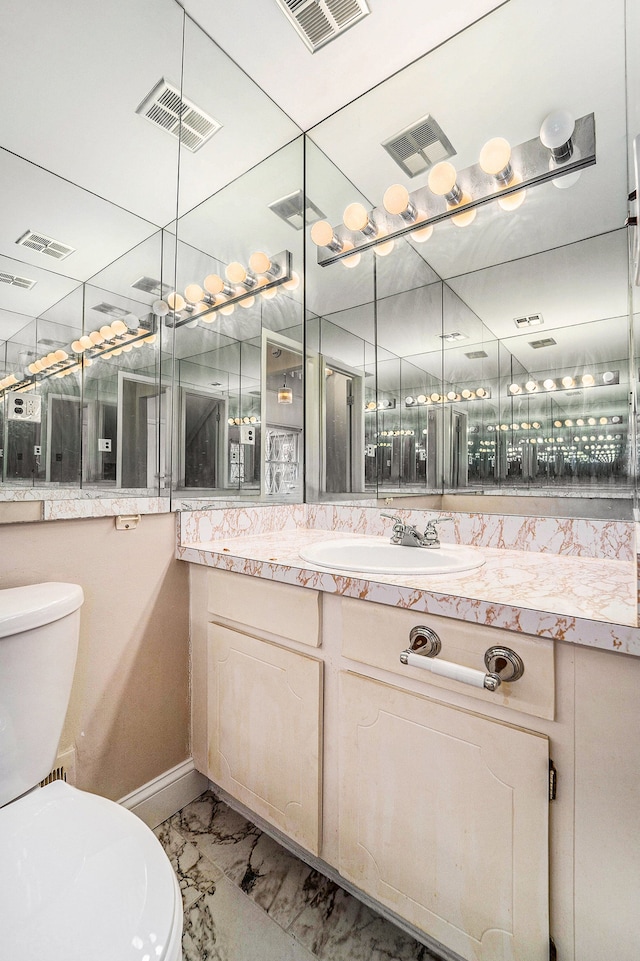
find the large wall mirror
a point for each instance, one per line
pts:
(492, 354)
(149, 163)
(170, 330)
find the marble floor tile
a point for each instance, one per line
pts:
(337, 927)
(246, 898)
(227, 926)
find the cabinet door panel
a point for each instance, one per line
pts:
(265, 730)
(444, 817)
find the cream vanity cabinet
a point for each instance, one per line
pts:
(264, 701)
(428, 796)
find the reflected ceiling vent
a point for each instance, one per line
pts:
(45, 245)
(165, 108)
(319, 21)
(545, 342)
(532, 320)
(454, 335)
(418, 147)
(477, 354)
(16, 281)
(152, 286)
(294, 209)
(109, 309)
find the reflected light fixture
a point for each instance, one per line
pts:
(357, 219)
(495, 160)
(396, 201)
(323, 236)
(285, 394)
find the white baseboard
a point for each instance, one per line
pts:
(167, 794)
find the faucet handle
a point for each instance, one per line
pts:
(439, 520)
(393, 517)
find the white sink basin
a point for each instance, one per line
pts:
(376, 555)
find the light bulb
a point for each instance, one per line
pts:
(466, 218)
(61, 355)
(159, 308)
(119, 326)
(86, 342)
(588, 380)
(422, 398)
(422, 234)
(151, 339)
(385, 248)
(549, 384)
(293, 283)
(531, 386)
(514, 200)
(568, 382)
(514, 388)
(235, 272)
(116, 352)
(269, 293)
(442, 179)
(353, 260)
(247, 302)
(175, 301)
(227, 310)
(323, 236)
(96, 337)
(556, 130)
(33, 369)
(105, 332)
(396, 201)
(356, 217)
(213, 284)
(193, 293)
(495, 159)
(127, 347)
(76, 347)
(259, 263)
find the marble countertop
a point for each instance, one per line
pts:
(582, 600)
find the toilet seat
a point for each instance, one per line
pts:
(81, 878)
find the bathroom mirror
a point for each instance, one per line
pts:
(91, 235)
(495, 354)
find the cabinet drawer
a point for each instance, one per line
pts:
(283, 609)
(375, 634)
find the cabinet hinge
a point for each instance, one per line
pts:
(553, 954)
(553, 781)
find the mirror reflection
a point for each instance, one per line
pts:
(486, 350)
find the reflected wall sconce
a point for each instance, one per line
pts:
(452, 396)
(504, 174)
(565, 382)
(285, 394)
(239, 287)
(111, 340)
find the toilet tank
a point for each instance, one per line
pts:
(39, 630)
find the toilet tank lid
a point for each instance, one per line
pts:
(24, 608)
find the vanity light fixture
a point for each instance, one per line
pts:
(556, 134)
(495, 160)
(453, 396)
(567, 382)
(443, 182)
(508, 172)
(221, 295)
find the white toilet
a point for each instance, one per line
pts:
(80, 877)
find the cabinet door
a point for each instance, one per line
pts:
(444, 818)
(265, 716)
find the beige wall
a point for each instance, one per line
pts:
(128, 716)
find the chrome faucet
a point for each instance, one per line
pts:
(407, 535)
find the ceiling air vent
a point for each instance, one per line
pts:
(418, 147)
(454, 335)
(477, 354)
(532, 320)
(109, 309)
(319, 21)
(545, 342)
(294, 208)
(165, 108)
(45, 245)
(16, 281)
(152, 286)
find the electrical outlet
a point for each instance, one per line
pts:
(24, 408)
(247, 434)
(37, 450)
(104, 444)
